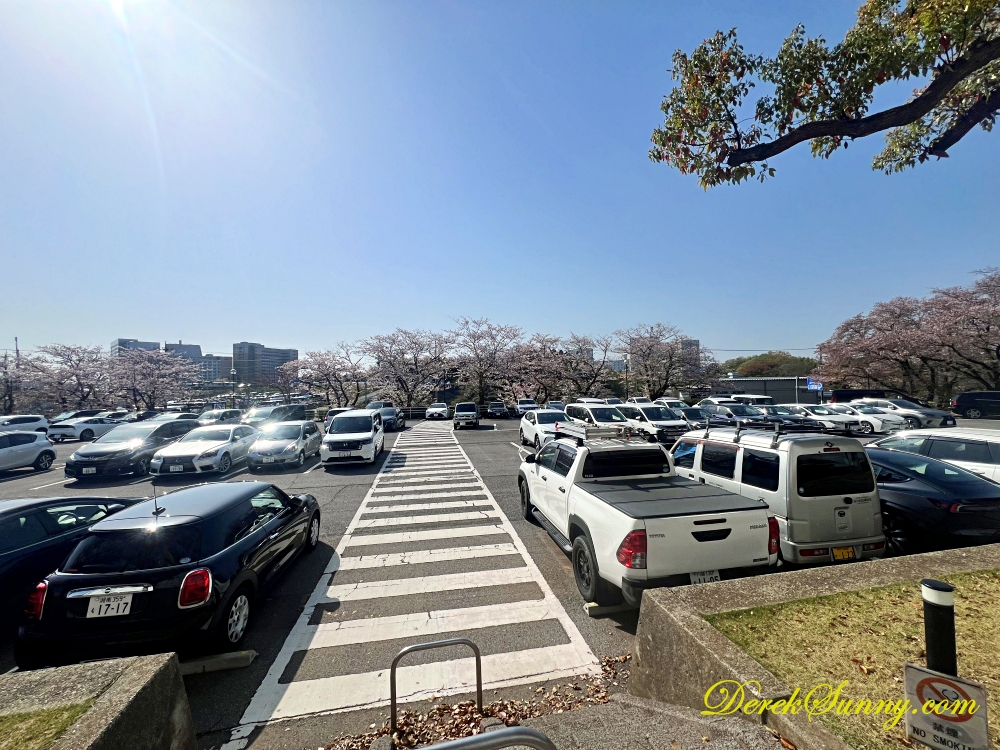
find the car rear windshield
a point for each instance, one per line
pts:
(633, 463)
(823, 474)
(136, 549)
(551, 418)
(351, 424)
(281, 432)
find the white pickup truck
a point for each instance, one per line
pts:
(630, 523)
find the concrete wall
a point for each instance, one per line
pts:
(137, 703)
(679, 656)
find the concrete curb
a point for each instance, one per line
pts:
(679, 656)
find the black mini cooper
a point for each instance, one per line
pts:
(181, 569)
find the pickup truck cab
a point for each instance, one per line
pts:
(820, 487)
(630, 523)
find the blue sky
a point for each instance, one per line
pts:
(303, 173)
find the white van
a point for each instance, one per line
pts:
(819, 487)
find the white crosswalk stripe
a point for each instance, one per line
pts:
(426, 471)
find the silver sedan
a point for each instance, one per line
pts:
(284, 444)
(214, 448)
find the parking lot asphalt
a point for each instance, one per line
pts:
(219, 700)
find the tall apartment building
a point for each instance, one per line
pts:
(215, 367)
(256, 363)
(119, 345)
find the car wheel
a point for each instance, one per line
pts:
(867, 428)
(142, 468)
(526, 505)
(973, 414)
(538, 443)
(899, 535)
(912, 423)
(592, 587)
(520, 434)
(87, 435)
(300, 459)
(235, 621)
(44, 460)
(312, 538)
(225, 464)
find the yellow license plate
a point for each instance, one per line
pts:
(843, 553)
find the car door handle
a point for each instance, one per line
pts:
(274, 535)
(545, 479)
(562, 489)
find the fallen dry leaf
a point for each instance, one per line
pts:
(787, 744)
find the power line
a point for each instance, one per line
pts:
(789, 349)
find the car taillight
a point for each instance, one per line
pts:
(632, 550)
(872, 546)
(818, 552)
(196, 588)
(772, 536)
(954, 402)
(36, 602)
(950, 507)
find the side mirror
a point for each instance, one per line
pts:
(296, 501)
(115, 507)
(530, 458)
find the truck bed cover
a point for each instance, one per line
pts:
(667, 496)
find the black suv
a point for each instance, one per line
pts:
(184, 568)
(977, 404)
(497, 409)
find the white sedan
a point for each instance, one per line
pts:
(825, 416)
(211, 448)
(83, 428)
(538, 427)
(871, 418)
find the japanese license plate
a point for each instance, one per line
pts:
(705, 576)
(88, 470)
(345, 454)
(843, 553)
(114, 605)
(267, 460)
(177, 467)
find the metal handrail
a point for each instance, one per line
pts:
(499, 739)
(424, 647)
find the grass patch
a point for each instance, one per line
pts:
(865, 637)
(37, 730)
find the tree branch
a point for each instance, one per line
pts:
(949, 77)
(976, 114)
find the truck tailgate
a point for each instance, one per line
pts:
(690, 526)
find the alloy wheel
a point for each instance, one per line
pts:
(867, 428)
(87, 435)
(302, 458)
(898, 537)
(538, 443)
(239, 616)
(584, 571)
(973, 414)
(44, 461)
(142, 468)
(314, 532)
(225, 463)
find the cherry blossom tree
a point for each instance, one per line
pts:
(823, 94)
(483, 350)
(409, 365)
(72, 376)
(337, 372)
(658, 357)
(148, 379)
(586, 363)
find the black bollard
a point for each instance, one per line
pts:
(939, 626)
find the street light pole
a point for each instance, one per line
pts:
(232, 374)
(626, 376)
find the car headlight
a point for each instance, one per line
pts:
(366, 441)
(290, 448)
(74, 457)
(209, 453)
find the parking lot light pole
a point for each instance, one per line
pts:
(232, 374)
(626, 376)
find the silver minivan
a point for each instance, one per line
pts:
(820, 488)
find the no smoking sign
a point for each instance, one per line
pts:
(948, 723)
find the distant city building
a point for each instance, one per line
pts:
(616, 365)
(119, 345)
(691, 345)
(256, 363)
(188, 351)
(215, 367)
